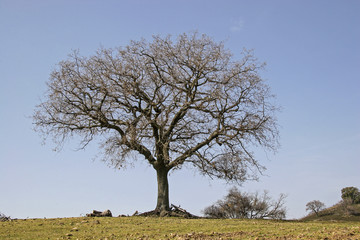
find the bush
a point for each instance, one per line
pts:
(349, 208)
(351, 194)
(247, 205)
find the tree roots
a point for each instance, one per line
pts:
(173, 212)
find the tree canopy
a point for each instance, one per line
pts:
(315, 206)
(170, 101)
(351, 194)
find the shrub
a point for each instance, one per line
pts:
(351, 194)
(247, 205)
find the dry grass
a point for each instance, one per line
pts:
(174, 228)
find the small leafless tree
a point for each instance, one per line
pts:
(171, 102)
(246, 205)
(315, 206)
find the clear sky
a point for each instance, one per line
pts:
(312, 50)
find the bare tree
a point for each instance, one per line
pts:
(247, 205)
(171, 102)
(315, 206)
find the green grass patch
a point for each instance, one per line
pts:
(174, 228)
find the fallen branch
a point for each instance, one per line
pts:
(182, 212)
(4, 218)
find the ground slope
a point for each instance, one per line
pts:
(338, 212)
(174, 228)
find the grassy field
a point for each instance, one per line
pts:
(174, 228)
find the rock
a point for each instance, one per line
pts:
(106, 213)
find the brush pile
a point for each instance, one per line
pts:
(4, 218)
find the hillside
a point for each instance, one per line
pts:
(339, 211)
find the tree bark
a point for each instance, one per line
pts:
(163, 190)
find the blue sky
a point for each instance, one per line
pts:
(313, 63)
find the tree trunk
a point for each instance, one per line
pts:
(163, 190)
